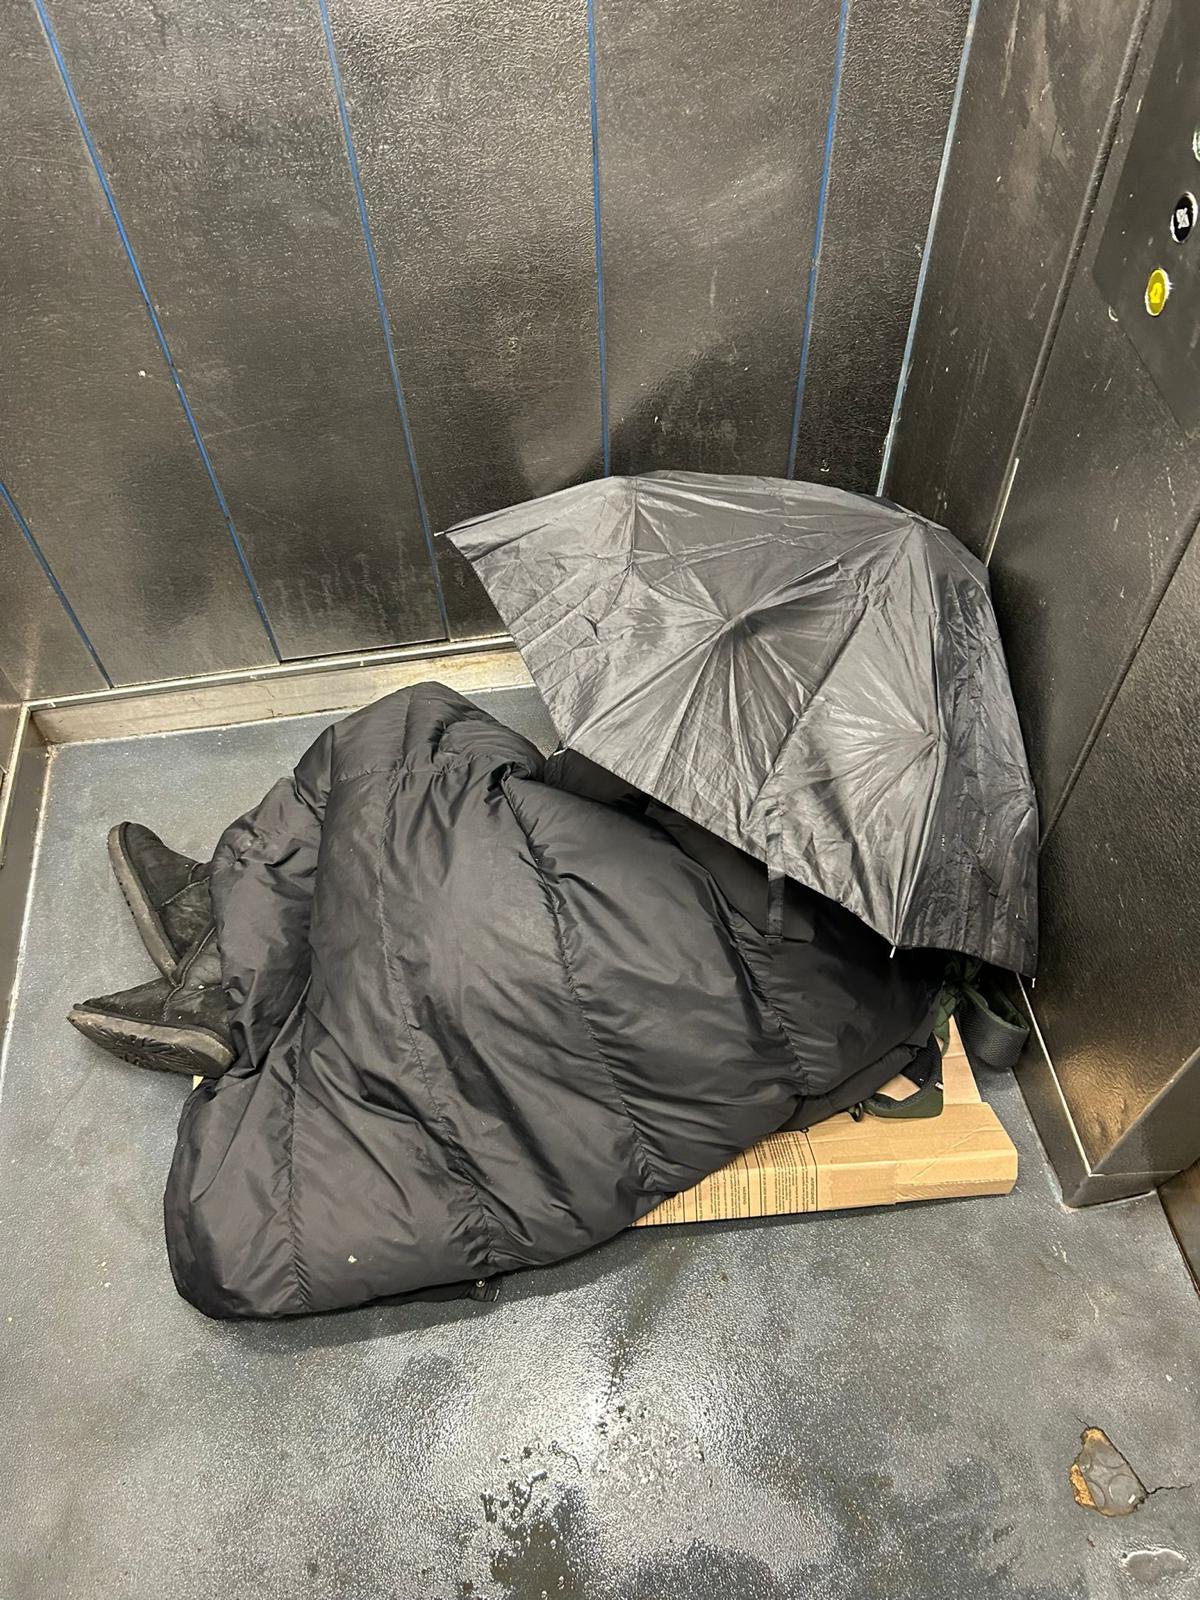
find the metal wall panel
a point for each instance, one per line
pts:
(96, 449)
(1097, 578)
(1096, 596)
(712, 125)
(41, 652)
(1098, 513)
(471, 125)
(901, 63)
(1181, 1202)
(1039, 90)
(230, 141)
(1118, 997)
(219, 128)
(1152, 220)
(1100, 509)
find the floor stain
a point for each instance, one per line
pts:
(535, 1552)
(1101, 1478)
(1152, 1566)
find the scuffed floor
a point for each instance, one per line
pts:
(867, 1406)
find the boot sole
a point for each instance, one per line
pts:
(153, 935)
(158, 1046)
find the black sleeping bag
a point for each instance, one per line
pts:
(484, 1020)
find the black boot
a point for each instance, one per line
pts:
(173, 1025)
(167, 893)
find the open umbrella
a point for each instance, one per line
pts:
(813, 675)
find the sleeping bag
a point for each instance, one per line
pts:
(487, 1013)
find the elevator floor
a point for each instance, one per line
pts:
(878, 1405)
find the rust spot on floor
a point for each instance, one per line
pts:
(1101, 1478)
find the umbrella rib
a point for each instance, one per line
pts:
(807, 706)
(516, 537)
(636, 692)
(935, 788)
(679, 720)
(957, 558)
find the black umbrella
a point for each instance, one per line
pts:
(813, 675)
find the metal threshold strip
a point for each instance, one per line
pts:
(276, 672)
(251, 694)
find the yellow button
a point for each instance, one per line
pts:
(1158, 287)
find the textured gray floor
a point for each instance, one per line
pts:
(876, 1404)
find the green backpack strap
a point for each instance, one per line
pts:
(993, 1030)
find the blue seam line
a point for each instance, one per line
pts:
(934, 210)
(601, 334)
(52, 41)
(40, 558)
(385, 324)
(814, 270)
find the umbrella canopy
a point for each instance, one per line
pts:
(813, 675)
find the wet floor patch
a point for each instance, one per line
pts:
(1152, 1566)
